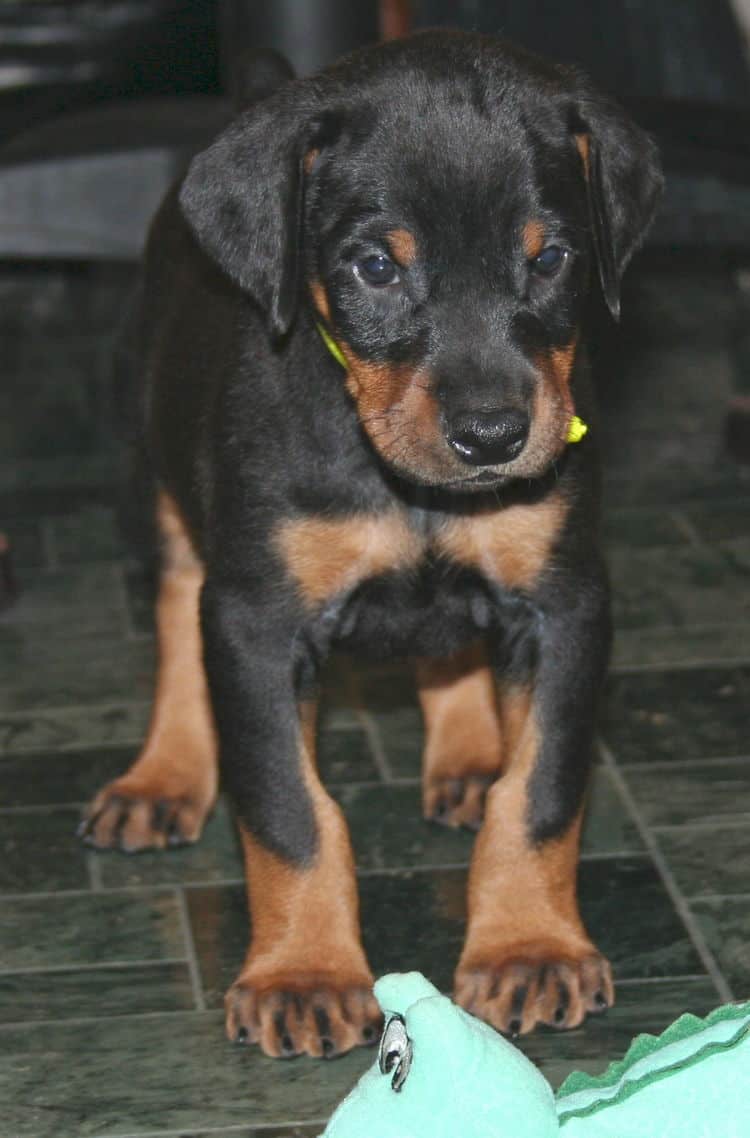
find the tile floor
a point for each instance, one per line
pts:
(112, 969)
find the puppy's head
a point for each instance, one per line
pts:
(440, 202)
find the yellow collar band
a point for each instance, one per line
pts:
(576, 430)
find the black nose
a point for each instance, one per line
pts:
(484, 438)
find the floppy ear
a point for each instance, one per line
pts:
(624, 179)
(243, 199)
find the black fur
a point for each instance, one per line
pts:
(458, 139)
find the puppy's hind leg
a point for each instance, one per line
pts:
(166, 795)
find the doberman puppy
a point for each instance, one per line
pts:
(363, 342)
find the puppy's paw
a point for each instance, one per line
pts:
(518, 992)
(456, 802)
(304, 1015)
(132, 815)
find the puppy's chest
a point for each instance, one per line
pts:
(392, 577)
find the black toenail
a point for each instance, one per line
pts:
(287, 1045)
(514, 1027)
(329, 1047)
(368, 1033)
(600, 999)
(242, 1035)
(559, 1015)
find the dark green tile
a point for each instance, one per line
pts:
(681, 714)
(92, 928)
(640, 1007)
(21, 500)
(662, 588)
(608, 827)
(677, 647)
(631, 918)
(725, 924)
(708, 793)
(140, 595)
(98, 993)
(80, 600)
(220, 928)
(708, 859)
(63, 671)
(26, 543)
(54, 483)
(91, 534)
(290, 1131)
(162, 1072)
(388, 830)
(415, 921)
(720, 521)
(40, 852)
(344, 756)
(96, 726)
(384, 687)
(216, 857)
(55, 777)
(402, 734)
(641, 528)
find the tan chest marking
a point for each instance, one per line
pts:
(511, 545)
(329, 556)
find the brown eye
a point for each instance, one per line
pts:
(377, 270)
(550, 260)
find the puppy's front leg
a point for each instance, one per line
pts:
(305, 985)
(527, 957)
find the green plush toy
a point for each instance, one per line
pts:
(441, 1073)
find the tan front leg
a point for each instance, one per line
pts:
(464, 739)
(169, 790)
(305, 985)
(527, 958)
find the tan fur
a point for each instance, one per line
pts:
(464, 741)
(177, 765)
(403, 247)
(533, 238)
(330, 557)
(320, 300)
(305, 933)
(522, 908)
(583, 145)
(512, 545)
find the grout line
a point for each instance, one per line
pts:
(121, 589)
(87, 1021)
(40, 807)
(682, 764)
(233, 1128)
(53, 969)
(713, 662)
(192, 956)
(94, 867)
(719, 897)
(687, 529)
(49, 545)
(375, 740)
(678, 900)
(730, 822)
(685, 978)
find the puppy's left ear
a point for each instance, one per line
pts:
(243, 199)
(624, 178)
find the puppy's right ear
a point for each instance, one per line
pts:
(243, 199)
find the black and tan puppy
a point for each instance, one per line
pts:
(433, 212)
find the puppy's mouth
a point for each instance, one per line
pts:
(484, 480)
